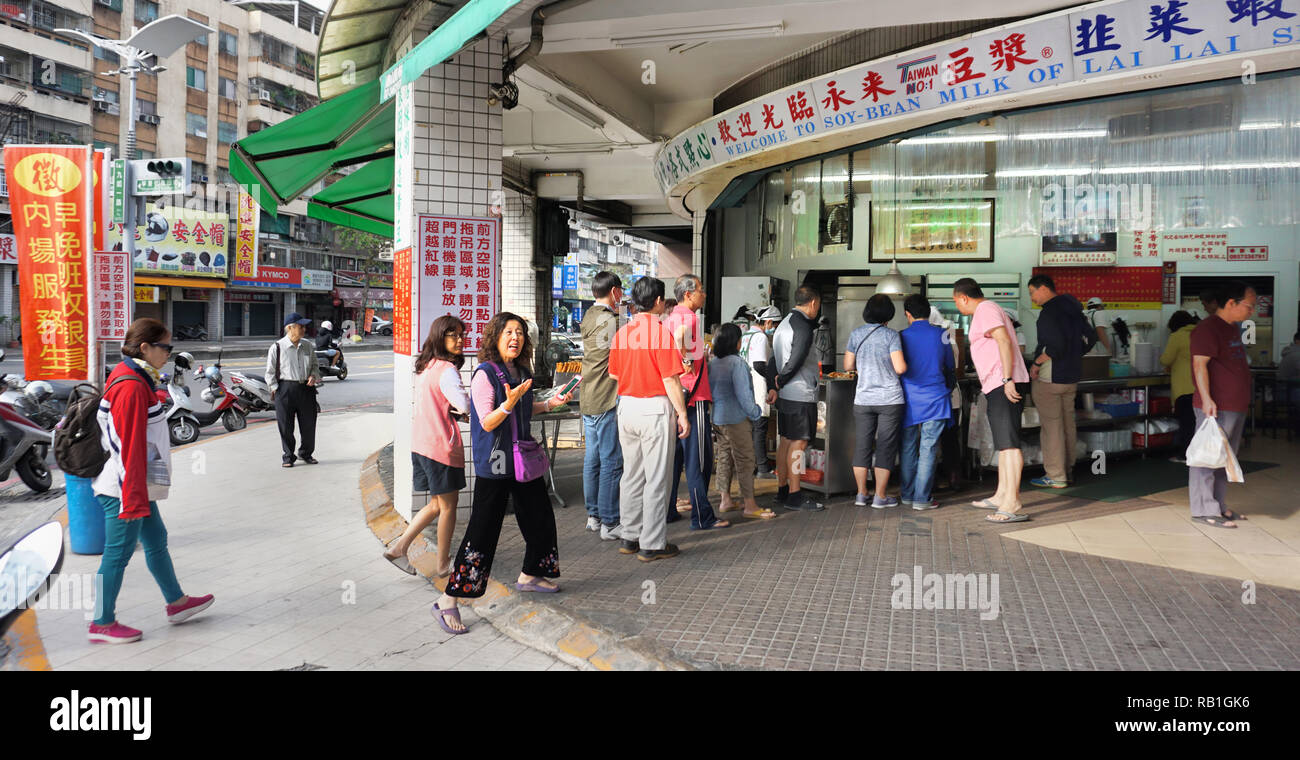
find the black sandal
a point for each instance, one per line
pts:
(1218, 522)
(1230, 515)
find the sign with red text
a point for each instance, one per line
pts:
(459, 273)
(8, 250)
(177, 240)
(50, 198)
(402, 300)
(246, 221)
(1195, 246)
(1247, 253)
(112, 315)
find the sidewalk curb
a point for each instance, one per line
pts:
(565, 636)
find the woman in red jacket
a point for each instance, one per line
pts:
(133, 430)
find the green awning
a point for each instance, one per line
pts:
(362, 200)
(282, 161)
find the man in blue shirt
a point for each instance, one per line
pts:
(928, 410)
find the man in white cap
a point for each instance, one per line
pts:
(756, 349)
(1094, 308)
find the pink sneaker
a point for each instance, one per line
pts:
(179, 613)
(113, 634)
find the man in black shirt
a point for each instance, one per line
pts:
(1063, 339)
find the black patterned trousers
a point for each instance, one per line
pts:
(536, 520)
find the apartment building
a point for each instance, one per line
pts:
(257, 69)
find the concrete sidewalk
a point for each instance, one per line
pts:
(241, 348)
(298, 578)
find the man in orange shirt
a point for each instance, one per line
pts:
(645, 361)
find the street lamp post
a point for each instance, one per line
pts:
(139, 52)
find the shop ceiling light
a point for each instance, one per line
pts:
(952, 139)
(1072, 172)
(697, 34)
(576, 111)
(1074, 134)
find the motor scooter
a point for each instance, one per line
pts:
(26, 569)
(183, 420)
(339, 370)
(24, 446)
(251, 392)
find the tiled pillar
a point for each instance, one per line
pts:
(455, 160)
(519, 283)
(697, 244)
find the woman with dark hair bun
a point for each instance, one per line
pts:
(133, 430)
(437, 450)
(501, 410)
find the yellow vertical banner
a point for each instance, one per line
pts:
(246, 236)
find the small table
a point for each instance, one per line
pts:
(551, 446)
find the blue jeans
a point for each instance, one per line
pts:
(918, 458)
(602, 466)
(120, 537)
(695, 455)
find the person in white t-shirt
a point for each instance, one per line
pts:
(756, 349)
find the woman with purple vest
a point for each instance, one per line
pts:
(501, 408)
(436, 446)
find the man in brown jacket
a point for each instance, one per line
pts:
(602, 467)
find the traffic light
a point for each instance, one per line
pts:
(165, 168)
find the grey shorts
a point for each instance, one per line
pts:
(878, 430)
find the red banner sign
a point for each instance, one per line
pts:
(50, 197)
(1117, 287)
(401, 303)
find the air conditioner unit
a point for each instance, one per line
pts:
(149, 118)
(263, 95)
(200, 133)
(102, 105)
(105, 3)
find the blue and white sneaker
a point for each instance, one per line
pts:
(1046, 482)
(888, 501)
(593, 524)
(860, 501)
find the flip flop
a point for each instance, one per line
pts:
(401, 563)
(732, 508)
(984, 504)
(536, 587)
(1230, 515)
(442, 614)
(1011, 517)
(719, 525)
(762, 514)
(1218, 522)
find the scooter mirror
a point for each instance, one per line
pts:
(25, 569)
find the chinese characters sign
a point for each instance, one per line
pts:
(1195, 246)
(1099, 39)
(932, 230)
(1117, 287)
(50, 194)
(110, 277)
(179, 241)
(246, 222)
(8, 250)
(1146, 244)
(459, 273)
(1247, 253)
(402, 316)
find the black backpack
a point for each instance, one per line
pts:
(76, 438)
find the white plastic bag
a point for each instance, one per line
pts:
(1211, 448)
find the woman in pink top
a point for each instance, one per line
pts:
(436, 448)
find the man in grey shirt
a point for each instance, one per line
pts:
(796, 388)
(292, 374)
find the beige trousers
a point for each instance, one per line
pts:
(647, 433)
(1055, 405)
(734, 453)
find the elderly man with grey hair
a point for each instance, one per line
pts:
(695, 453)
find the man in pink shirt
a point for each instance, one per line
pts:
(695, 453)
(1004, 382)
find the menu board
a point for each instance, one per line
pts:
(1117, 287)
(459, 273)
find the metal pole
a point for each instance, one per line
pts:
(128, 186)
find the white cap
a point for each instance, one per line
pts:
(768, 313)
(327, 325)
(1096, 303)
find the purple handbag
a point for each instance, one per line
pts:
(530, 461)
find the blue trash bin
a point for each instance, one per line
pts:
(85, 516)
